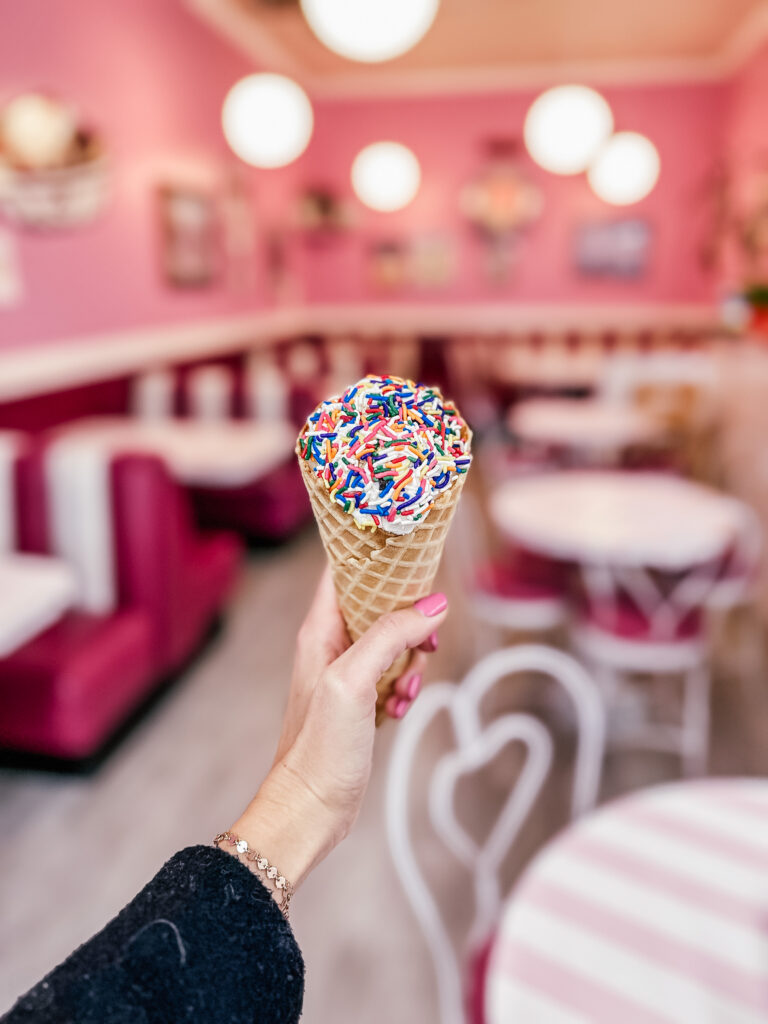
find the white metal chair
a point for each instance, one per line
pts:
(497, 599)
(477, 744)
(735, 582)
(736, 622)
(632, 626)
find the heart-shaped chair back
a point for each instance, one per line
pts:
(477, 745)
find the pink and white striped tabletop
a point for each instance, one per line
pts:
(652, 910)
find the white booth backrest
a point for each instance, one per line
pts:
(35, 591)
(10, 444)
(80, 517)
(152, 395)
(210, 390)
(266, 391)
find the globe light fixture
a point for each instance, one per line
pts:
(625, 170)
(369, 30)
(386, 176)
(267, 120)
(565, 127)
(36, 130)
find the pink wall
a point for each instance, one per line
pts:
(747, 158)
(447, 134)
(152, 78)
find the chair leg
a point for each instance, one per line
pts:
(695, 726)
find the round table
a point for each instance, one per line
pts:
(653, 520)
(654, 910)
(588, 425)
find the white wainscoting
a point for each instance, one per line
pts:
(42, 368)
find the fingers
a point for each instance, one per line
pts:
(324, 607)
(430, 644)
(409, 683)
(407, 687)
(366, 661)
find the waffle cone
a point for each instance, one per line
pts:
(377, 572)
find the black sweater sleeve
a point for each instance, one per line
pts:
(203, 942)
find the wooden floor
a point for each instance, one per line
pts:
(73, 851)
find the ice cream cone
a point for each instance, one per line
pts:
(377, 572)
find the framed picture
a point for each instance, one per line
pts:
(619, 248)
(190, 236)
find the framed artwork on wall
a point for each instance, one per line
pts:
(190, 236)
(617, 248)
(425, 262)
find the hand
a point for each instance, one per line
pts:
(312, 795)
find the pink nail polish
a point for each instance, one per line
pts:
(431, 643)
(432, 605)
(401, 707)
(413, 687)
(391, 706)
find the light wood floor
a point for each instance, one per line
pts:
(73, 851)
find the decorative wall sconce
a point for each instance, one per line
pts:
(53, 172)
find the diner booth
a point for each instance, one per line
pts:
(213, 217)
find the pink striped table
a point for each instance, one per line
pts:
(653, 910)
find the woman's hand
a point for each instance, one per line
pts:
(312, 796)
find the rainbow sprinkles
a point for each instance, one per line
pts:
(386, 449)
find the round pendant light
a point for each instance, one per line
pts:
(565, 127)
(386, 176)
(267, 120)
(625, 170)
(369, 30)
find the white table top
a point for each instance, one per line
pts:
(582, 423)
(35, 591)
(649, 519)
(654, 910)
(210, 454)
(551, 366)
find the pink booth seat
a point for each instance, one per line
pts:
(272, 508)
(65, 692)
(68, 691)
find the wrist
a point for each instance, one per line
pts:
(288, 824)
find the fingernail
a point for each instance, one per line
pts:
(401, 707)
(432, 605)
(391, 706)
(413, 687)
(432, 641)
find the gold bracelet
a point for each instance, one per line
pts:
(279, 881)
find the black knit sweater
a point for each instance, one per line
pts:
(203, 942)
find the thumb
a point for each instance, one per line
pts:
(362, 664)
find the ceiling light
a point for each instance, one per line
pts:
(565, 127)
(267, 120)
(369, 30)
(386, 176)
(625, 170)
